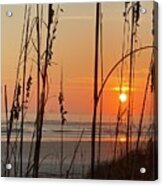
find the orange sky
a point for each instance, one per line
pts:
(74, 48)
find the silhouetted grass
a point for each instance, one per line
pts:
(120, 170)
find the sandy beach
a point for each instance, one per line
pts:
(50, 152)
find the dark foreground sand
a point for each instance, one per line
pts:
(50, 152)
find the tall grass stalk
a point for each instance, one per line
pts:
(153, 76)
(6, 105)
(93, 135)
(12, 112)
(6, 112)
(42, 99)
(143, 48)
(130, 78)
(24, 91)
(74, 154)
(45, 87)
(142, 111)
(102, 74)
(121, 85)
(63, 112)
(141, 119)
(39, 20)
(38, 82)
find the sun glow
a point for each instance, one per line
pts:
(122, 139)
(124, 88)
(123, 97)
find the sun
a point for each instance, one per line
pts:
(123, 97)
(122, 139)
